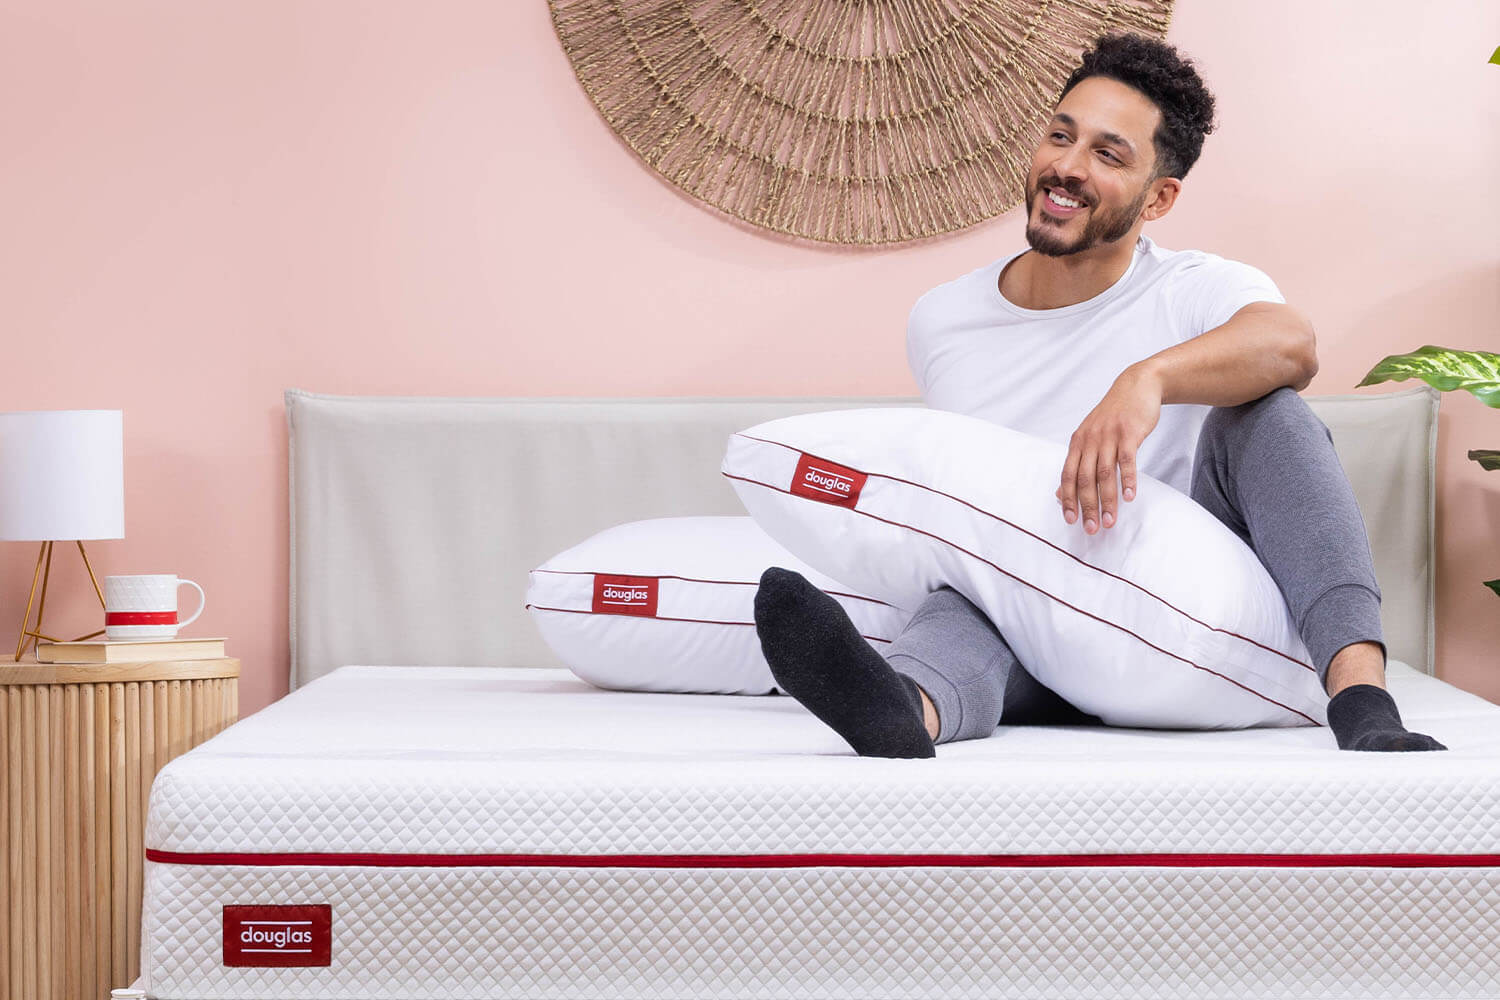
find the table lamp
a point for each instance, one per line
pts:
(62, 478)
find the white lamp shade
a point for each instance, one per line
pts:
(62, 475)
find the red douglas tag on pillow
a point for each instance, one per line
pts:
(281, 937)
(817, 479)
(625, 595)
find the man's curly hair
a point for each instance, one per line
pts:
(1169, 80)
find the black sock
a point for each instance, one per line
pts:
(818, 657)
(1364, 717)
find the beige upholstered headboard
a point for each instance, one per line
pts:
(414, 521)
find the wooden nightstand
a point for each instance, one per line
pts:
(81, 745)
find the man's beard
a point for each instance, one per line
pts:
(1101, 228)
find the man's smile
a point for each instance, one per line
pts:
(1059, 203)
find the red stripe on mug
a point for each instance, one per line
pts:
(140, 618)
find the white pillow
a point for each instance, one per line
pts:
(669, 605)
(1166, 620)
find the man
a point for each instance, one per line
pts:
(1179, 364)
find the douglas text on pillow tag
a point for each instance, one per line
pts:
(625, 595)
(826, 481)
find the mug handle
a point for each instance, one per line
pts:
(202, 600)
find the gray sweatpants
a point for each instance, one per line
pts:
(1267, 470)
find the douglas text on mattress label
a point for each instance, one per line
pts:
(278, 936)
(625, 595)
(828, 482)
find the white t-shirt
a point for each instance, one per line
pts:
(1041, 371)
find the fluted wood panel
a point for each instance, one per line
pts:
(80, 757)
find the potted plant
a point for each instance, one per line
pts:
(1445, 369)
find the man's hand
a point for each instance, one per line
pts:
(1263, 346)
(1107, 441)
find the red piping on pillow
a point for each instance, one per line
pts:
(660, 618)
(694, 579)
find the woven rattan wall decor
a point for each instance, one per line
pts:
(855, 122)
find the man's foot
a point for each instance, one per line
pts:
(818, 657)
(1364, 717)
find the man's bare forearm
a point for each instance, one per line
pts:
(1264, 346)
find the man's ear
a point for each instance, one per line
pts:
(1167, 189)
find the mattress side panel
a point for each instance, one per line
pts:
(843, 933)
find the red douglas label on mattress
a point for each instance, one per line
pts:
(278, 936)
(625, 595)
(825, 481)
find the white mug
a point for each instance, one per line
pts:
(144, 606)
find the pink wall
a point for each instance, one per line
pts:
(206, 203)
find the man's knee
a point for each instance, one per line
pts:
(1281, 407)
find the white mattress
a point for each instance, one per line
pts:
(517, 833)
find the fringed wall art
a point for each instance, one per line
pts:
(855, 122)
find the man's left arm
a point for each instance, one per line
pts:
(1263, 346)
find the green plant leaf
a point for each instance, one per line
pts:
(1487, 459)
(1444, 369)
(1496, 57)
(1493, 585)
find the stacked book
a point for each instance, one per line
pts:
(129, 650)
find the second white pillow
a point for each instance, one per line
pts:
(668, 604)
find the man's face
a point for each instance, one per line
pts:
(1092, 174)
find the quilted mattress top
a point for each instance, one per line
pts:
(436, 765)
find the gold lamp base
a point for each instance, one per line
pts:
(31, 633)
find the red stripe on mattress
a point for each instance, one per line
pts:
(372, 860)
(1027, 583)
(1081, 562)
